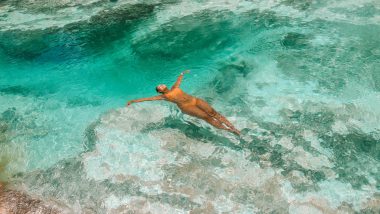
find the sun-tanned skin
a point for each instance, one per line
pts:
(190, 105)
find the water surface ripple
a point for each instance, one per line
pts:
(300, 79)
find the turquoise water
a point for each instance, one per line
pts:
(300, 79)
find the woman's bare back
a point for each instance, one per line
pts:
(177, 96)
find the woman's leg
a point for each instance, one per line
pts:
(216, 123)
(211, 112)
(194, 110)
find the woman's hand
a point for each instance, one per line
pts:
(129, 103)
(185, 72)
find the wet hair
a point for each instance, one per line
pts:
(157, 88)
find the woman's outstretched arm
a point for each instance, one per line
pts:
(179, 79)
(159, 97)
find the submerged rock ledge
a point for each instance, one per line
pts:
(13, 201)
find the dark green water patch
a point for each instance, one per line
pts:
(25, 44)
(299, 4)
(261, 147)
(228, 75)
(314, 176)
(3, 127)
(185, 35)
(295, 40)
(82, 101)
(348, 150)
(74, 40)
(376, 78)
(34, 91)
(9, 116)
(355, 141)
(351, 152)
(16, 125)
(90, 136)
(296, 121)
(276, 156)
(110, 25)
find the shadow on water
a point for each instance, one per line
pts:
(193, 131)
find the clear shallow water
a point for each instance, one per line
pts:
(301, 79)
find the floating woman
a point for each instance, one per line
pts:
(190, 105)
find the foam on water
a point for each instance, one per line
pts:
(122, 151)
